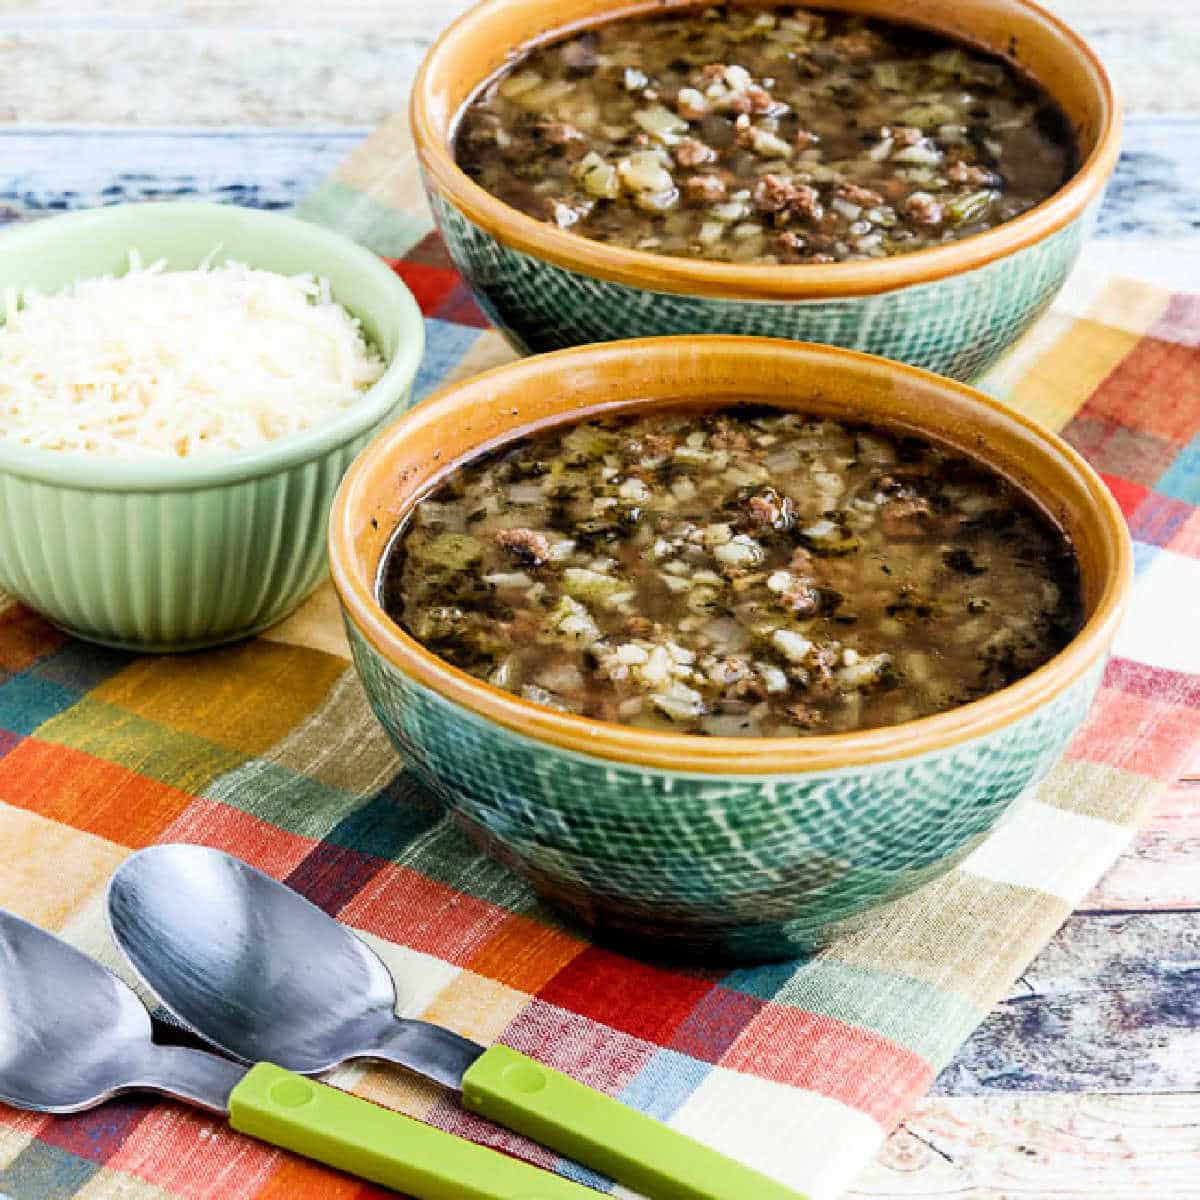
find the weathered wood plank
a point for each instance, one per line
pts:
(1041, 1148)
(313, 63)
(1155, 191)
(1162, 868)
(1129, 981)
(50, 171)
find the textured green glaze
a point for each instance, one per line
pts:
(180, 554)
(957, 326)
(747, 867)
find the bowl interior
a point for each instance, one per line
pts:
(459, 422)
(488, 37)
(52, 254)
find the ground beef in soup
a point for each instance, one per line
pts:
(734, 571)
(779, 136)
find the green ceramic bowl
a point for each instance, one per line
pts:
(723, 847)
(184, 554)
(952, 308)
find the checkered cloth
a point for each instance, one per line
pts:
(268, 749)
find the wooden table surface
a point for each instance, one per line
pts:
(1085, 1082)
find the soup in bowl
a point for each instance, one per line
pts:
(771, 136)
(910, 180)
(749, 759)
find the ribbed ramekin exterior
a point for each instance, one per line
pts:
(171, 569)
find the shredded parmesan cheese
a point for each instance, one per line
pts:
(158, 362)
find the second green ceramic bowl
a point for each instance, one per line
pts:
(187, 553)
(952, 308)
(717, 847)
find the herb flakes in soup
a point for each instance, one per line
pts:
(738, 571)
(777, 136)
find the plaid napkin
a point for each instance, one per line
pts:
(268, 749)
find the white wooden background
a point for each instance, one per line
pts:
(1086, 1082)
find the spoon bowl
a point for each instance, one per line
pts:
(260, 972)
(69, 1029)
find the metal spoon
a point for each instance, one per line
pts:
(73, 1035)
(261, 973)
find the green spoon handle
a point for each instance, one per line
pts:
(604, 1134)
(385, 1147)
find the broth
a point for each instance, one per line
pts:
(780, 136)
(734, 571)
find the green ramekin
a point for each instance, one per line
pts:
(183, 554)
